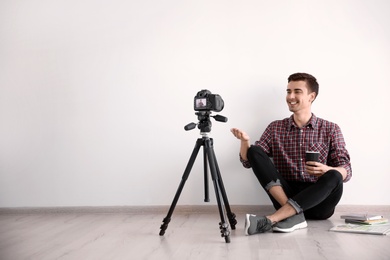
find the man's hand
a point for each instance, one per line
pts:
(317, 169)
(244, 137)
(239, 134)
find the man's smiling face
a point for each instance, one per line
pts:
(298, 97)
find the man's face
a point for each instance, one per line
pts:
(298, 97)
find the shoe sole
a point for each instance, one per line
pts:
(247, 224)
(288, 230)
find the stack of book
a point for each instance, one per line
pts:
(364, 219)
(363, 224)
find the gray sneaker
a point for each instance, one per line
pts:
(290, 224)
(254, 224)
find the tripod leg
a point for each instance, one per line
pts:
(224, 227)
(184, 178)
(230, 214)
(206, 177)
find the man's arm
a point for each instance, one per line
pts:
(339, 157)
(318, 169)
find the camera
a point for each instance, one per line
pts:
(205, 101)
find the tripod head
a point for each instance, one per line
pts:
(204, 123)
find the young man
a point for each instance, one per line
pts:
(297, 189)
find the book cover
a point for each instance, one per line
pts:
(360, 216)
(368, 222)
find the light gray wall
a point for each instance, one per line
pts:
(94, 94)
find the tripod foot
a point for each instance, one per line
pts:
(164, 226)
(224, 227)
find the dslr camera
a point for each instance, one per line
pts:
(205, 101)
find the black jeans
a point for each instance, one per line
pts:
(317, 200)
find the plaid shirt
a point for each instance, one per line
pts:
(287, 144)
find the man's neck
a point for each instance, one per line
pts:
(301, 119)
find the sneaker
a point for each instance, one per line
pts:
(254, 224)
(290, 224)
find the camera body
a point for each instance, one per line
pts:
(205, 101)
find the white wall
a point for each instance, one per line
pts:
(94, 94)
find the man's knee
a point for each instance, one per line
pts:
(251, 152)
(256, 153)
(333, 177)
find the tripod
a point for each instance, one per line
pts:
(208, 157)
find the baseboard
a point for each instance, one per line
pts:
(186, 209)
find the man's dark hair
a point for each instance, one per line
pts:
(309, 79)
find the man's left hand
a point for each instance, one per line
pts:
(316, 169)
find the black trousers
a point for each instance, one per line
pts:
(317, 200)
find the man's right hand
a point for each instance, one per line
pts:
(244, 137)
(239, 134)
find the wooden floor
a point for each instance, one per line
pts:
(190, 235)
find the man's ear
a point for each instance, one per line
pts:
(313, 96)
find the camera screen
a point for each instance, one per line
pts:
(200, 103)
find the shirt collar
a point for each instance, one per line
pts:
(311, 124)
